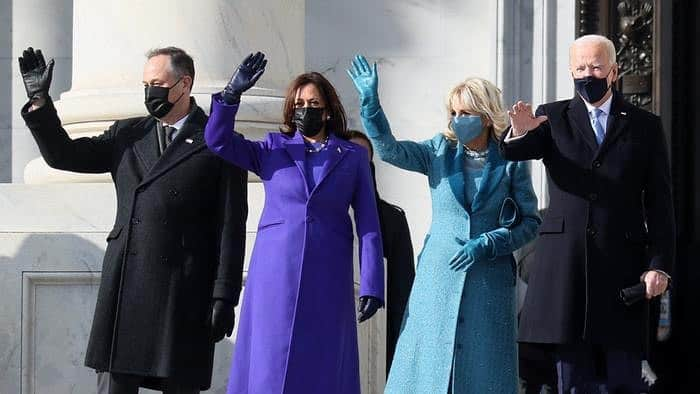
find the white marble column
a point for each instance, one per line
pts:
(45, 24)
(111, 39)
(5, 91)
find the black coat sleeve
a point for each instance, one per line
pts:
(233, 213)
(533, 145)
(88, 155)
(658, 203)
(398, 250)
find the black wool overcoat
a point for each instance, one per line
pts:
(177, 243)
(610, 219)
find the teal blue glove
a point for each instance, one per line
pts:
(366, 82)
(476, 249)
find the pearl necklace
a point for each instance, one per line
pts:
(313, 149)
(475, 154)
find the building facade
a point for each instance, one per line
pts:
(53, 224)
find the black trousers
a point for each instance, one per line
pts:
(117, 383)
(537, 367)
(590, 369)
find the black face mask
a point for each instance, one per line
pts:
(309, 121)
(156, 100)
(592, 89)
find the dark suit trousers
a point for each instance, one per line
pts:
(117, 383)
(587, 369)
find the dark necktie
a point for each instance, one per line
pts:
(169, 132)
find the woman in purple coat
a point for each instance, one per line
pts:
(297, 331)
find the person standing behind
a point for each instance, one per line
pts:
(172, 271)
(609, 225)
(459, 329)
(398, 251)
(298, 332)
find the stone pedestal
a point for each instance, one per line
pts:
(52, 241)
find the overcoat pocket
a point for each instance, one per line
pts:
(552, 225)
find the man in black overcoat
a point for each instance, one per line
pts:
(172, 271)
(609, 225)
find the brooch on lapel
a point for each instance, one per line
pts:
(189, 140)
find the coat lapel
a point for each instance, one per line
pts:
(189, 140)
(146, 147)
(456, 175)
(296, 149)
(579, 120)
(491, 176)
(617, 123)
(336, 152)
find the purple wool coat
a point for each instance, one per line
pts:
(297, 332)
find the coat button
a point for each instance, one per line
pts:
(591, 231)
(173, 192)
(596, 164)
(593, 196)
(309, 219)
(458, 346)
(132, 252)
(139, 189)
(135, 221)
(164, 259)
(460, 320)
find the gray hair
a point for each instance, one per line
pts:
(599, 40)
(180, 62)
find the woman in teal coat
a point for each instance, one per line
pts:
(458, 334)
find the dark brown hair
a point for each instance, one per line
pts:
(362, 136)
(181, 63)
(336, 124)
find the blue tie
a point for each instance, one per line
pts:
(598, 126)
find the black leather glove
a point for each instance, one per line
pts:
(223, 318)
(35, 73)
(244, 77)
(368, 307)
(633, 294)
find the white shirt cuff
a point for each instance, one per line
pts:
(509, 136)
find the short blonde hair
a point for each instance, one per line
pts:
(596, 39)
(481, 97)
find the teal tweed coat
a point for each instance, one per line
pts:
(459, 328)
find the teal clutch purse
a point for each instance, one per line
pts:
(509, 216)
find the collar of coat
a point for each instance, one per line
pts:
(296, 148)
(491, 176)
(576, 114)
(189, 140)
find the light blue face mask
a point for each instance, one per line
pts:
(466, 127)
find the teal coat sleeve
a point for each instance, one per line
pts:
(409, 155)
(507, 240)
